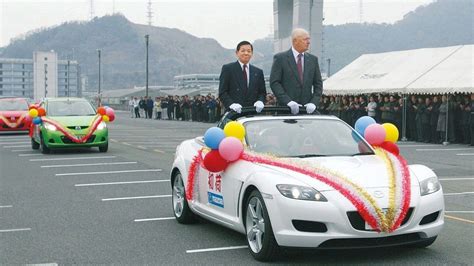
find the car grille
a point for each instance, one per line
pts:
(371, 242)
(66, 140)
(19, 126)
(77, 127)
(358, 222)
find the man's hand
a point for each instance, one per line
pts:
(310, 107)
(236, 107)
(258, 106)
(294, 107)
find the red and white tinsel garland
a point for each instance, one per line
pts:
(92, 127)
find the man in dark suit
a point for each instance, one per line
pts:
(295, 78)
(240, 83)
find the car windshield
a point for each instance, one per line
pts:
(13, 105)
(304, 138)
(69, 108)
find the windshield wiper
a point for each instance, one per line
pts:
(308, 155)
(363, 153)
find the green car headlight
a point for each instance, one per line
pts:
(300, 192)
(50, 127)
(430, 185)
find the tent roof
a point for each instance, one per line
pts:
(428, 70)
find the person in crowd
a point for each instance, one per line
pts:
(241, 83)
(471, 119)
(464, 106)
(170, 109)
(295, 78)
(149, 107)
(130, 107)
(371, 107)
(136, 107)
(442, 115)
(420, 109)
(142, 105)
(434, 136)
(157, 108)
(411, 114)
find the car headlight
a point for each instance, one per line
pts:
(300, 192)
(430, 185)
(101, 126)
(50, 127)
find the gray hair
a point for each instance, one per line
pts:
(298, 32)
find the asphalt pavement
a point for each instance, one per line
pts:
(86, 207)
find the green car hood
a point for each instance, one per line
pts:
(70, 121)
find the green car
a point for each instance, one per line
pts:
(69, 123)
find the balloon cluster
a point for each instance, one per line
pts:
(35, 113)
(384, 136)
(107, 113)
(226, 146)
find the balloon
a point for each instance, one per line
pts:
(213, 137)
(213, 162)
(111, 117)
(37, 120)
(32, 106)
(375, 134)
(355, 136)
(362, 123)
(234, 129)
(41, 111)
(390, 147)
(33, 113)
(105, 118)
(110, 113)
(231, 148)
(101, 111)
(392, 132)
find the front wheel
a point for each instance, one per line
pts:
(260, 238)
(44, 148)
(34, 145)
(104, 148)
(181, 209)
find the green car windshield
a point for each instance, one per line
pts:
(13, 105)
(70, 108)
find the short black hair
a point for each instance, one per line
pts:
(244, 43)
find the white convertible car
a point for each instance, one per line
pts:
(278, 205)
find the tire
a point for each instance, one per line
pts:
(425, 243)
(34, 144)
(258, 228)
(181, 210)
(44, 148)
(104, 148)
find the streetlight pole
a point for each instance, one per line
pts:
(98, 94)
(329, 67)
(146, 84)
(68, 91)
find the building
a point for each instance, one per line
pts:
(290, 14)
(43, 76)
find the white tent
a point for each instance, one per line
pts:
(420, 71)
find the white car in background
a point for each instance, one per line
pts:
(276, 207)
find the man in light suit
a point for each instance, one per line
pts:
(295, 78)
(242, 84)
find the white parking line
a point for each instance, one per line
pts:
(418, 145)
(454, 149)
(72, 158)
(215, 249)
(20, 150)
(459, 211)
(84, 164)
(14, 230)
(110, 172)
(154, 219)
(29, 154)
(458, 193)
(141, 147)
(141, 197)
(456, 179)
(120, 183)
(6, 206)
(17, 146)
(465, 154)
(12, 143)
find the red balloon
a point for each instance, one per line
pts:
(101, 110)
(41, 111)
(390, 147)
(214, 162)
(111, 117)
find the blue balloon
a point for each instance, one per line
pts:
(213, 137)
(37, 120)
(362, 123)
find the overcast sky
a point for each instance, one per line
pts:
(227, 21)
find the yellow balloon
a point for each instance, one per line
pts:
(234, 129)
(105, 118)
(391, 132)
(33, 113)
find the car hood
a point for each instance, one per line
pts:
(69, 121)
(12, 113)
(367, 171)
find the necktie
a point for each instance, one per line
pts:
(245, 75)
(300, 67)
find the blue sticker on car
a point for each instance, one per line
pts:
(215, 199)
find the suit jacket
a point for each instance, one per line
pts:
(286, 85)
(233, 88)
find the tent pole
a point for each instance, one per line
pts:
(404, 118)
(447, 121)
